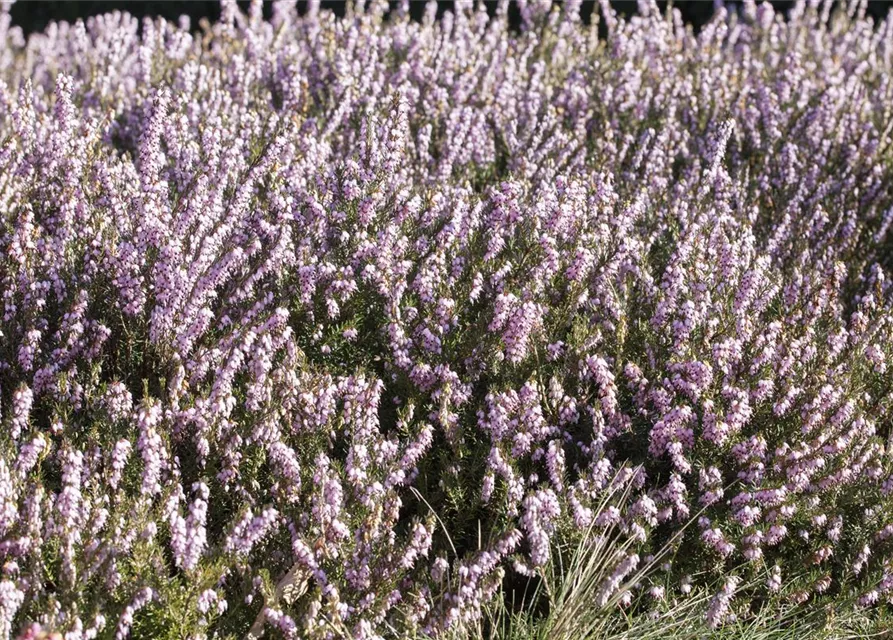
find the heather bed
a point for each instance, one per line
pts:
(352, 327)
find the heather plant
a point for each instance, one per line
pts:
(323, 327)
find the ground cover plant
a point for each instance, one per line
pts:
(331, 327)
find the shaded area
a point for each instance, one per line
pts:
(34, 15)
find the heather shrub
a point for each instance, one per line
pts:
(346, 327)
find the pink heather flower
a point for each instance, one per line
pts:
(540, 510)
(11, 598)
(206, 599)
(218, 254)
(876, 356)
(439, 569)
(555, 463)
(774, 582)
(722, 140)
(822, 584)
(249, 530)
(151, 449)
(610, 516)
(751, 545)
(861, 559)
(118, 401)
(281, 621)
(22, 400)
(120, 454)
(718, 610)
(822, 554)
(419, 545)
(613, 582)
(776, 534)
(8, 499)
(555, 350)
(140, 600)
(868, 599)
(29, 454)
(747, 515)
(29, 349)
(715, 539)
(189, 536)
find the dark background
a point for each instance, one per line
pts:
(34, 15)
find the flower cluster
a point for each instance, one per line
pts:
(331, 325)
